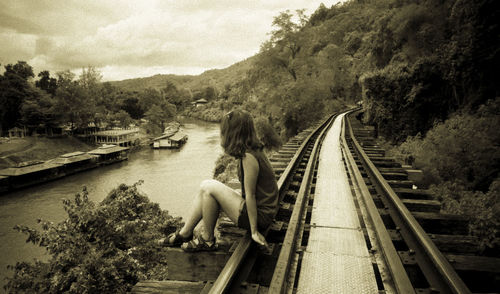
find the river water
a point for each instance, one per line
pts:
(171, 178)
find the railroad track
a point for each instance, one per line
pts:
(422, 249)
(394, 216)
(294, 165)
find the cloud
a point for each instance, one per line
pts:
(137, 36)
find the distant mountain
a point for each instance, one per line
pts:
(216, 78)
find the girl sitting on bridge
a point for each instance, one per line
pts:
(253, 209)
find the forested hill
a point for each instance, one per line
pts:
(216, 78)
(413, 63)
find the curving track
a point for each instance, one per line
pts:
(404, 230)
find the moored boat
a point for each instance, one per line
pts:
(170, 141)
(110, 153)
(27, 175)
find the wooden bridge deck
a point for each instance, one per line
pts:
(336, 257)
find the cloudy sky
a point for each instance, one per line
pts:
(137, 38)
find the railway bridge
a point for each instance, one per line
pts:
(351, 220)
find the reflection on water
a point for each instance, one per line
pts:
(171, 178)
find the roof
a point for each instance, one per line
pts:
(17, 171)
(178, 136)
(116, 132)
(75, 158)
(107, 149)
(172, 128)
(72, 154)
(201, 101)
(163, 136)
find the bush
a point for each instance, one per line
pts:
(267, 134)
(226, 168)
(461, 158)
(465, 149)
(483, 209)
(99, 248)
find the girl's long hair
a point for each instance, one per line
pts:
(238, 133)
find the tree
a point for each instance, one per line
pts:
(132, 107)
(179, 97)
(123, 118)
(148, 98)
(90, 79)
(285, 42)
(210, 93)
(99, 248)
(38, 110)
(46, 83)
(14, 89)
(71, 101)
(158, 116)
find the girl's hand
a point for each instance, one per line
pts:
(257, 237)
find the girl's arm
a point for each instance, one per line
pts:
(251, 171)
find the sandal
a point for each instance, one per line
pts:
(199, 244)
(176, 238)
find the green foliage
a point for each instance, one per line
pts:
(175, 96)
(212, 111)
(461, 159)
(37, 109)
(158, 115)
(464, 149)
(226, 168)
(72, 101)
(123, 119)
(403, 101)
(482, 208)
(100, 248)
(46, 83)
(131, 105)
(267, 134)
(14, 89)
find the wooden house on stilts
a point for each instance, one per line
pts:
(170, 141)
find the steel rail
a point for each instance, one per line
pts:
(278, 281)
(400, 279)
(227, 275)
(436, 268)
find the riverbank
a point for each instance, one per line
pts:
(207, 113)
(15, 151)
(171, 179)
(28, 149)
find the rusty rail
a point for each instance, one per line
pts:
(436, 268)
(233, 267)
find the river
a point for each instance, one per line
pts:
(171, 178)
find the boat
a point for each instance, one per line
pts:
(75, 162)
(170, 141)
(27, 175)
(36, 172)
(108, 154)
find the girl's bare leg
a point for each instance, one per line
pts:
(213, 196)
(210, 211)
(224, 198)
(195, 216)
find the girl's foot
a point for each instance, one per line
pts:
(199, 244)
(174, 239)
